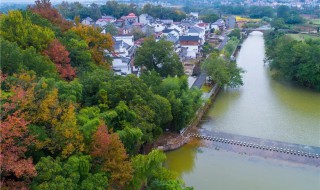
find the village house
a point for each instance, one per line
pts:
(123, 55)
(105, 20)
(191, 45)
(87, 21)
(173, 32)
(218, 25)
(146, 19)
(130, 19)
(196, 31)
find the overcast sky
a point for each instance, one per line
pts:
(52, 1)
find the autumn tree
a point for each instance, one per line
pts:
(96, 41)
(60, 56)
(108, 151)
(15, 165)
(46, 10)
(14, 27)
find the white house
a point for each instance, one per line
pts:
(191, 45)
(130, 19)
(173, 32)
(87, 21)
(158, 27)
(128, 39)
(196, 31)
(145, 19)
(122, 57)
(194, 14)
(218, 25)
(179, 28)
(105, 20)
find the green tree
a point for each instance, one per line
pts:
(72, 174)
(235, 33)
(16, 28)
(210, 18)
(160, 57)
(223, 72)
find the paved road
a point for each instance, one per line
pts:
(223, 43)
(200, 80)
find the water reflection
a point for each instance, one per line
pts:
(183, 161)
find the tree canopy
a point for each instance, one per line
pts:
(160, 57)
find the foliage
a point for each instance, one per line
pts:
(160, 57)
(111, 29)
(231, 46)
(223, 72)
(73, 173)
(46, 10)
(149, 173)
(108, 149)
(261, 11)
(235, 33)
(158, 11)
(16, 28)
(295, 60)
(289, 16)
(15, 140)
(210, 18)
(60, 56)
(53, 132)
(96, 41)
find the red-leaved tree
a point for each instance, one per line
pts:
(60, 56)
(15, 165)
(108, 150)
(46, 10)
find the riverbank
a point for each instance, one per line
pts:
(171, 141)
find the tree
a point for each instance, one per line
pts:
(278, 23)
(15, 165)
(108, 150)
(96, 41)
(131, 138)
(235, 33)
(210, 18)
(150, 174)
(223, 72)
(111, 29)
(72, 174)
(159, 56)
(46, 10)
(137, 33)
(16, 28)
(60, 56)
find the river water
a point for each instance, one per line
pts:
(263, 108)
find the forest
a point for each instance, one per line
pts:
(294, 60)
(68, 122)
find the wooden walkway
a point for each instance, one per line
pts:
(297, 153)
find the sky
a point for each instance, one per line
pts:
(52, 1)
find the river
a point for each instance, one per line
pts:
(263, 108)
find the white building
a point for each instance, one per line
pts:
(128, 39)
(196, 31)
(145, 19)
(191, 45)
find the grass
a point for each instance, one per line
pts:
(315, 21)
(301, 37)
(239, 18)
(206, 88)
